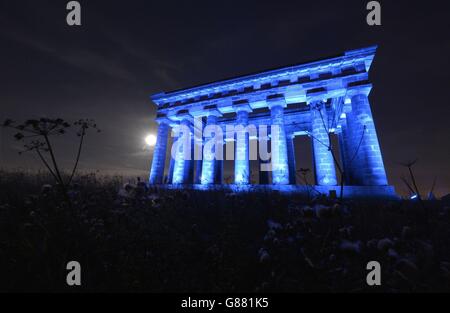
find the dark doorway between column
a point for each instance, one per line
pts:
(337, 154)
(254, 164)
(228, 166)
(304, 159)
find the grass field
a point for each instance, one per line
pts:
(130, 238)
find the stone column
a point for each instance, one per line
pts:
(291, 159)
(346, 152)
(241, 160)
(264, 152)
(171, 166)
(325, 172)
(189, 168)
(279, 152)
(209, 159)
(198, 149)
(159, 155)
(182, 166)
(367, 167)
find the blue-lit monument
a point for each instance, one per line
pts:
(319, 99)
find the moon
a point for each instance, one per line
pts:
(150, 140)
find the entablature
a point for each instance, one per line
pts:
(295, 82)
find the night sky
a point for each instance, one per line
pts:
(127, 50)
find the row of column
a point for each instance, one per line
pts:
(360, 152)
(362, 161)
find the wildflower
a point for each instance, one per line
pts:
(372, 244)
(141, 185)
(385, 244)
(128, 191)
(322, 211)
(346, 231)
(308, 212)
(27, 225)
(406, 268)
(393, 254)
(336, 209)
(230, 195)
(269, 235)
(74, 191)
(289, 228)
(290, 239)
(307, 258)
(445, 269)
(185, 195)
(263, 255)
(340, 209)
(128, 187)
(294, 209)
(194, 230)
(406, 233)
(425, 250)
(276, 241)
(46, 189)
(155, 199)
(350, 246)
(273, 225)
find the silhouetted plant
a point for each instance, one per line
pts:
(83, 125)
(341, 168)
(409, 165)
(303, 174)
(431, 193)
(405, 181)
(36, 135)
(228, 180)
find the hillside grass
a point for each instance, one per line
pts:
(131, 238)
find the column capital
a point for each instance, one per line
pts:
(314, 101)
(241, 105)
(159, 153)
(212, 112)
(205, 111)
(316, 94)
(183, 116)
(317, 104)
(276, 100)
(161, 118)
(185, 121)
(290, 135)
(359, 90)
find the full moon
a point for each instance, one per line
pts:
(150, 140)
